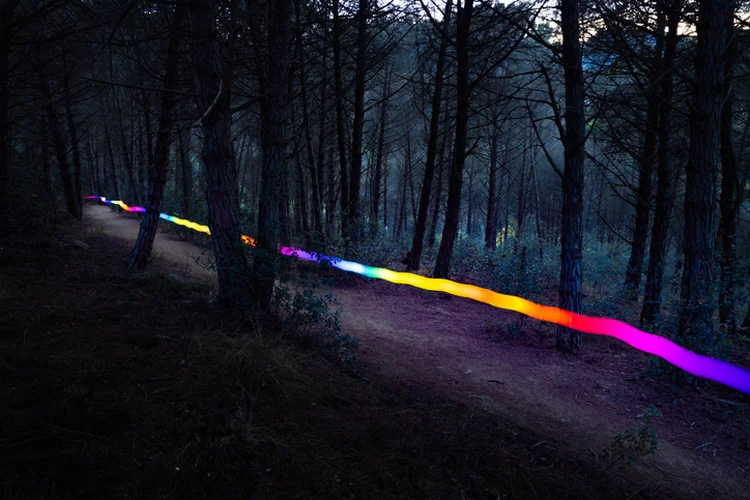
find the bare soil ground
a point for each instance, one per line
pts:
(456, 407)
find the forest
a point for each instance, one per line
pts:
(587, 155)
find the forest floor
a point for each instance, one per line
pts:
(135, 385)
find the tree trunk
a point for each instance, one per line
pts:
(450, 229)
(46, 175)
(7, 8)
(61, 151)
(273, 172)
(73, 133)
(700, 188)
(490, 228)
(187, 174)
(355, 179)
(340, 131)
(663, 209)
(132, 190)
(731, 195)
(158, 171)
(571, 273)
(646, 171)
(375, 207)
(432, 145)
(520, 206)
(146, 99)
(214, 85)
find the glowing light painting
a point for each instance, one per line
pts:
(695, 364)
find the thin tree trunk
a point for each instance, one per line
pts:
(420, 226)
(187, 175)
(571, 273)
(646, 171)
(375, 207)
(73, 132)
(340, 131)
(73, 206)
(146, 99)
(355, 179)
(450, 228)
(158, 172)
(731, 194)
(490, 228)
(7, 8)
(132, 189)
(520, 206)
(46, 175)
(274, 170)
(700, 187)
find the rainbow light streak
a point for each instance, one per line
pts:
(695, 364)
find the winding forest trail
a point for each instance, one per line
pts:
(422, 342)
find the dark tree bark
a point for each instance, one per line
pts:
(490, 227)
(73, 133)
(7, 8)
(112, 164)
(645, 171)
(340, 130)
(432, 144)
(700, 188)
(146, 101)
(731, 194)
(317, 223)
(61, 152)
(571, 273)
(381, 153)
(214, 85)
(187, 175)
(663, 208)
(450, 229)
(520, 208)
(46, 175)
(133, 191)
(157, 179)
(355, 179)
(273, 171)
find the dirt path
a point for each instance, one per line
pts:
(430, 343)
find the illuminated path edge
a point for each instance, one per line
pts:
(695, 364)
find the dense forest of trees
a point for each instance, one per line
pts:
(538, 130)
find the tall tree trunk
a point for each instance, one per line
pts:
(7, 8)
(731, 195)
(186, 196)
(273, 172)
(663, 209)
(520, 206)
(112, 164)
(340, 130)
(73, 133)
(214, 86)
(432, 237)
(700, 188)
(46, 175)
(432, 145)
(322, 137)
(537, 205)
(355, 179)
(158, 171)
(450, 229)
(133, 192)
(646, 170)
(375, 207)
(317, 224)
(490, 228)
(470, 203)
(61, 151)
(571, 273)
(146, 100)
